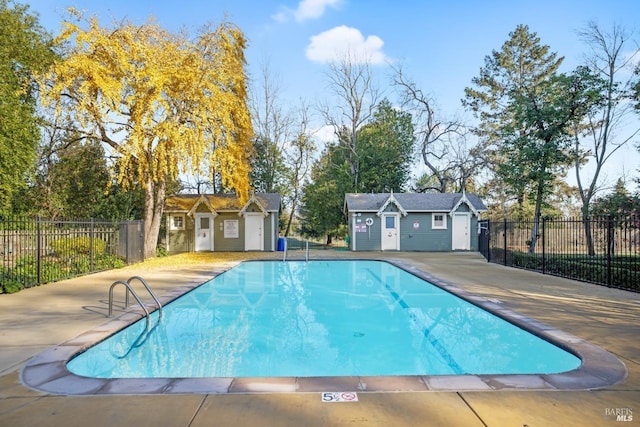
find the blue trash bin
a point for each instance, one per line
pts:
(280, 244)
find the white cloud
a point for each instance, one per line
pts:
(307, 9)
(313, 9)
(281, 16)
(342, 42)
(324, 134)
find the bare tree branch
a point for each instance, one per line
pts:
(445, 158)
(351, 81)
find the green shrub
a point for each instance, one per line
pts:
(624, 270)
(79, 264)
(527, 261)
(627, 279)
(50, 270)
(70, 246)
(26, 269)
(106, 262)
(9, 284)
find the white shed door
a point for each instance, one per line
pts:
(390, 232)
(253, 232)
(204, 232)
(460, 233)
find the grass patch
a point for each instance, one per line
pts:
(202, 258)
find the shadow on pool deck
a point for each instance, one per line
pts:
(40, 318)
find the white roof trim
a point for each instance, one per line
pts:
(200, 200)
(253, 199)
(393, 200)
(465, 200)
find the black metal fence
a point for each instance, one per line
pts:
(37, 251)
(605, 251)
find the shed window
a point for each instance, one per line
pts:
(439, 221)
(204, 223)
(390, 222)
(177, 222)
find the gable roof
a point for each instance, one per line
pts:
(201, 199)
(187, 203)
(413, 202)
(254, 201)
(391, 199)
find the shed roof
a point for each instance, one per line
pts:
(411, 202)
(220, 202)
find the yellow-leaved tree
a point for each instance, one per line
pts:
(166, 104)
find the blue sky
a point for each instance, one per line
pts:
(440, 44)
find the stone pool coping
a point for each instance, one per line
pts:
(47, 372)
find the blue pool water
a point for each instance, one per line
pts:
(320, 318)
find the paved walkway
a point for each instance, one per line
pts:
(39, 318)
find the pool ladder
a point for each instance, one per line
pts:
(130, 290)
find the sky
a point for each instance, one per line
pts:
(441, 45)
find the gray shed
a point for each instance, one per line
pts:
(218, 222)
(413, 221)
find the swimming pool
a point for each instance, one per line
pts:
(48, 371)
(318, 319)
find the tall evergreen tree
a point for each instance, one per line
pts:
(323, 196)
(619, 203)
(386, 150)
(526, 109)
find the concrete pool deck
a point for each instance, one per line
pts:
(40, 318)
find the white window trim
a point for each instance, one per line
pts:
(434, 226)
(172, 224)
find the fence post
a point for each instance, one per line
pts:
(544, 220)
(127, 248)
(488, 240)
(91, 251)
(504, 234)
(141, 225)
(38, 250)
(610, 234)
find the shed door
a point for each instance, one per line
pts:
(204, 232)
(253, 235)
(460, 232)
(390, 232)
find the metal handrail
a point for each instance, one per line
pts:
(153, 295)
(135, 295)
(307, 254)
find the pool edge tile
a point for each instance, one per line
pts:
(200, 385)
(456, 383)
(264, 385)
(393, 384)
(517, 382)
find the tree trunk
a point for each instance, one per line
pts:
(536, 218)
(586, 222)
(293, 209)
(585, 196)
(154, 195)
